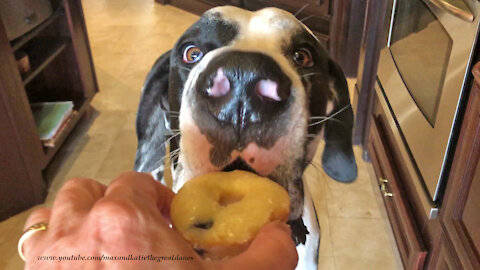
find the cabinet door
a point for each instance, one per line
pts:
(461, 215)
(445, 260)
(471, 213)
(407, 236)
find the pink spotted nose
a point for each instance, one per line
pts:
(221, 85)
(267, 89)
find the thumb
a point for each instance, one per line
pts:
(272, 248)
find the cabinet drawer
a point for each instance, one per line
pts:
(408, 239)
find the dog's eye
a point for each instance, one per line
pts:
(192, 54)
(303, 57)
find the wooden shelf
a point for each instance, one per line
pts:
(46, 50)
(50, 151)
(61, 68)
(20, 41)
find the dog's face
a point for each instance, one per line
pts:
(250, 89)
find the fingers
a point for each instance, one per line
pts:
(74, 201)
(37, 216)
(141, 187)
(272, 248)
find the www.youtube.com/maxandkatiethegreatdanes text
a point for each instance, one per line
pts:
(104, 257)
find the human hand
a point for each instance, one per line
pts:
(131, 217)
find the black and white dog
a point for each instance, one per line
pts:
(251, 91)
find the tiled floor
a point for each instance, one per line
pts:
(126, 37)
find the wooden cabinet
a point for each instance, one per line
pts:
(460, 215)
(452, 239)
(61, 70)
(445, 259)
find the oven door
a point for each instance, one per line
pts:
(422, 70)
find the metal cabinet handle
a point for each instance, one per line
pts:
(457, 8)
(383, 188)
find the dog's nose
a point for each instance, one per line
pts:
(220, 85)
(242, 88)
(267, 89)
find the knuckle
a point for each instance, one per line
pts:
(115, 215)
(77, 182)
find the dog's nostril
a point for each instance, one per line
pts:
(220, 86)
(267, 88)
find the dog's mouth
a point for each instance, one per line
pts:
(239, 164)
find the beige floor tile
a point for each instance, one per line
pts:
(356, 199)
(361, 244)
(111, 64)
(108, 123)
(121, 156)
(326, 263)
(120, 97)
(130, 121)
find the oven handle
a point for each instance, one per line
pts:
(457, 8)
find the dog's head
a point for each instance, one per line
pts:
(254, 91)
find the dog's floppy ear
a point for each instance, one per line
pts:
(338, 159)
(153, 123)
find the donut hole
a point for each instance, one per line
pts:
(226, 199)
(203, 225)
(199, 251)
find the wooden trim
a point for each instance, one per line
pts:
(23, 125)
(466, 160)
(81, 47)
(367, 69)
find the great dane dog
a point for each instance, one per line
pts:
(253, 91)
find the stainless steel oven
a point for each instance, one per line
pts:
(422, 72)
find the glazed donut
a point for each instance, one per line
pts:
(220, 213)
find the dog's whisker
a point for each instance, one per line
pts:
(318, 117)
(172, 112)
(308, 17)
(175, 163)
(171, 154)
(330, 117)
(169, 139)
(189, 69)
(309, 74)
(175, 134)
(174, 156)
(315, 165)
(321, 121)
(301, 9)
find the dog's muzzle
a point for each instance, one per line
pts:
(243, 88)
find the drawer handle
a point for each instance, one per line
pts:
(383, 188)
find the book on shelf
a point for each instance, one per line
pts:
(51, 118)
